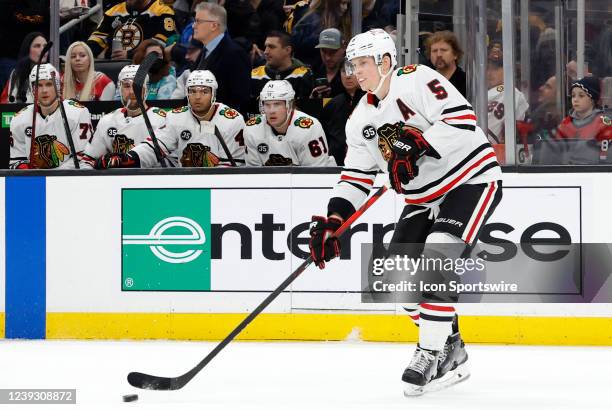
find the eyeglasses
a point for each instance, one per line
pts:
(200, 21)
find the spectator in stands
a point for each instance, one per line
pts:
(280, 65)
(336, 113)
(80, 81)
(445, 53)
(586, 120)
(222, 56)
(294, 13)
(323, 14)
(328, 83)
(162, 75)
(16, 89)
(19, 18)
(546, 116)
(495, 97)
(128, 24)
(377, 14)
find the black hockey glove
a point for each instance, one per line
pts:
(118, 160)
(405, 149)
(323, 246)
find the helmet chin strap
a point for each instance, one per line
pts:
(383, 77)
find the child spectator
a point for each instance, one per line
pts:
(81, 81)
(586, 122)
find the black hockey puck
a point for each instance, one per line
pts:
(130, 397)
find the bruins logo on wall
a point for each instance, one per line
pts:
(48, 152)
(228, 113)
(303, 122)
(407, 69)
(253, 120)
(122, 144)
(199, 156)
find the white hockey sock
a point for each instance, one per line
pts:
(435, 325)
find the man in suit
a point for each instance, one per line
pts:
(225, 58)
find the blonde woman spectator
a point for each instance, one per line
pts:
(81, 82)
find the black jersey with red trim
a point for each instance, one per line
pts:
(423, 99)
(132, 27)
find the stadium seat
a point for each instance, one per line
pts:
(111, 67)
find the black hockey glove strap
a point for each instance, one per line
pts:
(118, 160)
(323, 245)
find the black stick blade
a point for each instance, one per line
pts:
(149, 382)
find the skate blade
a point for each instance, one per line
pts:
(460, 374)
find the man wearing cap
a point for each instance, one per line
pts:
(280, 65)
(328, 83)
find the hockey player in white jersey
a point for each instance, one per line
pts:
(119, 131)
(51, 147)
(195, 135)
(282, 135)
(415, 125)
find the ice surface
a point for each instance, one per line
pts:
(306, 375)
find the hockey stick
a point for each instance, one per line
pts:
(65, 121)
(149, 382)
(224, 146)
(44, 51)
(138, 84)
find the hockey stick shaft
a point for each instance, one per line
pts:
(138, 85)
(44, 51)
(66, 126)
(145, 381)
(224, 146)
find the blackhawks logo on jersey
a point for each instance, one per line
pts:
(48, 152)
(179, 110)
(75, 104)
(122, 144)
(606, 120)
(159, 112)
(254, 120)
(199, 156)
(407, 69)
(228, 113)
(303, 122)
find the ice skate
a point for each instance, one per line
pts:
(422, 369)
(451, 369)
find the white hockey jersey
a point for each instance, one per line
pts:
(424, 99)
(190, 142)
(51, 148)
(304, 143)
(495, 119)
(119, 133)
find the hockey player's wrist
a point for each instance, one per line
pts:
(340, 207)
